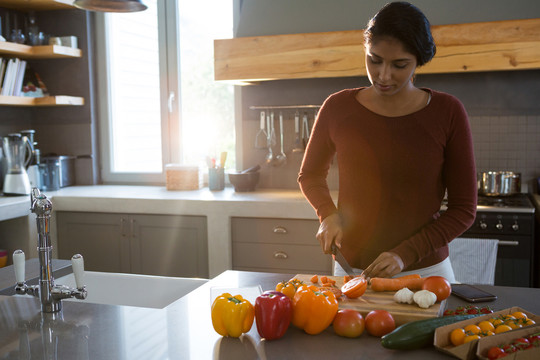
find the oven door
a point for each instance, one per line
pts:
(514, 258)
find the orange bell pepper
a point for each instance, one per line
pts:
(289, 287)
(314, 309)
(232, 315)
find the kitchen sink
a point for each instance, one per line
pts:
(146, 291)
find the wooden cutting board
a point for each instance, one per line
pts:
(382, 300)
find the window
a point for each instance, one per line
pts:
(159, 102)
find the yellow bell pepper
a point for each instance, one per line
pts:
(314, 309)
(289, 287)
(232, 315)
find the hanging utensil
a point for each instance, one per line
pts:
(270, 157)
(305, 129)
(281, 158)
(271, 131)
(297, 145)
(261, 138)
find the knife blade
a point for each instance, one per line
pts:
(338, 256)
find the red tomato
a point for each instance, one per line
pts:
(521, 343)
(495, 353)
(349, 323)
(379, 322)
(355, 287)
(439, 286)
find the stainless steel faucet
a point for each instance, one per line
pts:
(49, 294)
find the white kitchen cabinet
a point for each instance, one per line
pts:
(165, 245)
(278, 245)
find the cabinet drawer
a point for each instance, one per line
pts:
(276, 257)
(275, 231)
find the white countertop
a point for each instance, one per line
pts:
(14, 206)
(217, 206)
(158, 200)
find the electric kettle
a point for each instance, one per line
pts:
(16, 181)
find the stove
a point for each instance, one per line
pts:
(516, 203)
(510, 220)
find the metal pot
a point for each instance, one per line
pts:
(499, 183)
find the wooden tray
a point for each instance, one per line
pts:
(375, 300)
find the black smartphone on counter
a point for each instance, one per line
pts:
(471, 293)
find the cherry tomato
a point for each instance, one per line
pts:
(439, 286)
(355, 287)
(457, 336)
(379, 323)
(521, 343)
(509, 348)
(534, 340)
(495, 353)
(349, 323)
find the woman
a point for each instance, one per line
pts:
(399, 149)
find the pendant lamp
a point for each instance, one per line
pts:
(111, 5)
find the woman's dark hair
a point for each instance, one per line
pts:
(406, 23)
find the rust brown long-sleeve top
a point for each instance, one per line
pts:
(393, 173)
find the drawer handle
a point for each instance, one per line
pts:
(508, 243)
(281, 255)
(280, 230)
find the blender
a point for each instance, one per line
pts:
(16, 181)
(32, 160)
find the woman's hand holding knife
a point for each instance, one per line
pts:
(330, 232)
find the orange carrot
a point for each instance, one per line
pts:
(324, 279)
(314, 279)
(413, 282)
(410, 276)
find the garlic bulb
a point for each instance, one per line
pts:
(404, 296)
(424, 298)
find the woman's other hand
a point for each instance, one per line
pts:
(330, 231)
(385, 265)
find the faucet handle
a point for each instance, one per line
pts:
(77, 263)
(19, 265)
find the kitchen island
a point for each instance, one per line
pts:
(183, 330)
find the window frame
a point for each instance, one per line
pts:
(169, 60)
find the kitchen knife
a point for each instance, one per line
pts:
(338, 256)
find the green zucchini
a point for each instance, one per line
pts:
(419, 334)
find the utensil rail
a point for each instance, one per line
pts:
(274, 107)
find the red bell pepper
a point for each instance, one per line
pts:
(273, 314)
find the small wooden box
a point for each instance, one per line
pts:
(183, 177)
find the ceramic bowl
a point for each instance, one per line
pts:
(244, 181)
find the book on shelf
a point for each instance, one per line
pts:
(2, 70)
(17, 88)
(9, 77)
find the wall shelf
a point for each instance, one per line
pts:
(27, 52)
(38, 52)
(486, 46)
(37, 4)
(59, 100)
